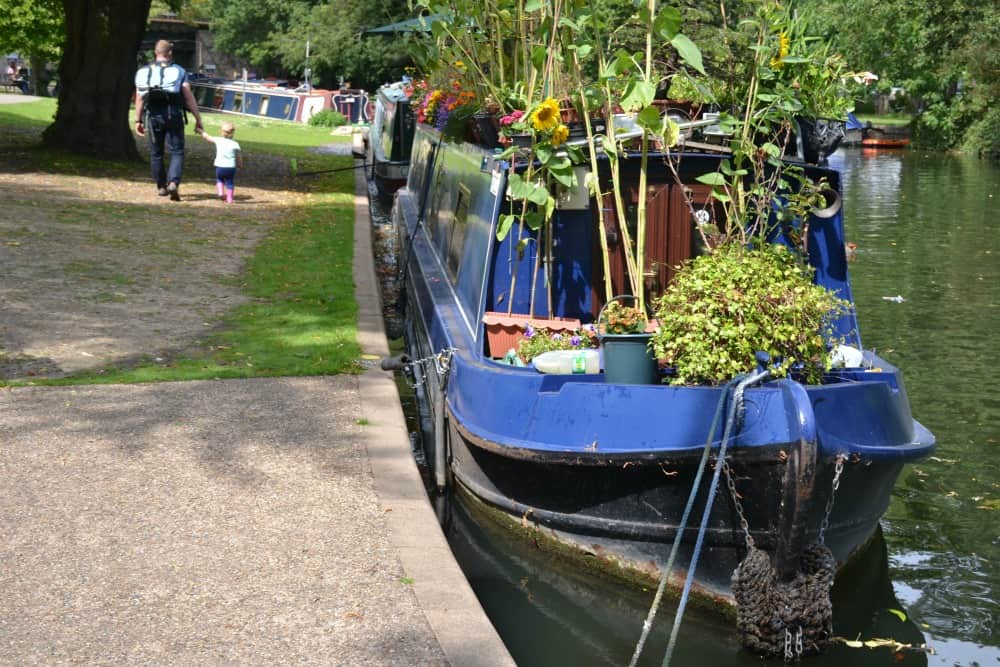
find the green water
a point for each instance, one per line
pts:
(926, 228)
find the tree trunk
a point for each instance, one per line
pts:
(96, 78)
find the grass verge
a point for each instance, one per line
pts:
(301, 317)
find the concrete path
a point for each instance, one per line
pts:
(249, 522)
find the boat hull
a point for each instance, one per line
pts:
(622, 517)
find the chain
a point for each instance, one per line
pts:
(739, 506)
(838, 468)
(793, 645)
(441, 363)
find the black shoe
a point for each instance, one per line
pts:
(162, 192)
(175, 195)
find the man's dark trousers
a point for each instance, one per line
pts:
(166, 131)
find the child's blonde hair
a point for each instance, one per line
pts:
(228, 129)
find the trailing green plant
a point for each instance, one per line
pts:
(725, 306)
(328, 118)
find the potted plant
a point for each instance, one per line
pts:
(747, 293)
(628, 357)
(541, 340)
(724, 307)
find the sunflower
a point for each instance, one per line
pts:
(546, 116)
(783, 47)
(560, 134)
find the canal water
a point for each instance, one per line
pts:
(926, 277)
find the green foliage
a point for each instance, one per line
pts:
(944, 53)
(328, 118)
(537, 341)
(725, 306)
(983, 136)
(272, 34)
(33, 28)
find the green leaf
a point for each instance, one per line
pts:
(714, 178)
(543, 152)
(649, 118)
(898, 614)
(504, 226)
(538, 57)
(562, 170)
(667, 23)
(688, 51)
(532, 5)
(637, 95)
(534, 220)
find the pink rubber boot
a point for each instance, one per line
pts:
(229, 196)
(218, 188)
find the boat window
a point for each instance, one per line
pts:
(457, 242)
(263, 105)
(237, 102)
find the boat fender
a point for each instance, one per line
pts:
(397, 363)
(780, 618)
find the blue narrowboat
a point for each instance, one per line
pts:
(271, 99)
(390, 137)
(603, 471)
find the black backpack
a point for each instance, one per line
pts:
(157, 95)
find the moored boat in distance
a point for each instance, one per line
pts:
(275, 100)
(600, 470)
(390, 137)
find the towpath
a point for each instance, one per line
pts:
(253, 522)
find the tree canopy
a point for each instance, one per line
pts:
(272, 36)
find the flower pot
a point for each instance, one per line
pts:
(628, 359)
(820, 138)
(504, 332)
(485, 129)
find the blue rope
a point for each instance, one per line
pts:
(730, 420)
(648, 624)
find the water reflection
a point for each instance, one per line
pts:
(551, 614)
(940, 253)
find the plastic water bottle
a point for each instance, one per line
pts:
(568, 362)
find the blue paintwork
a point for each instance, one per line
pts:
(458, 271)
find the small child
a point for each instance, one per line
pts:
(227, 157)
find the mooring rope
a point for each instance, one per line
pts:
(689, 580)
(681, 527)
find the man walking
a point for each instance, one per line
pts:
(163, 95)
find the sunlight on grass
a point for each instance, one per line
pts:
(302, 316)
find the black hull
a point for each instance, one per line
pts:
(622, 518)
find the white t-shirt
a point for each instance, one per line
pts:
(225, 151)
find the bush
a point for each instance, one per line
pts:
(327, 118)
(725, 306)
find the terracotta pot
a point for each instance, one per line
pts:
(504, 332)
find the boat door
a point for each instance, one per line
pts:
(671, 234)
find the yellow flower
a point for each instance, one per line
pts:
(546, 116)
(783, 46)
(560, 134)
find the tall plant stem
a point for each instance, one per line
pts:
(615, 164)
(640, 227)
(601, 225)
